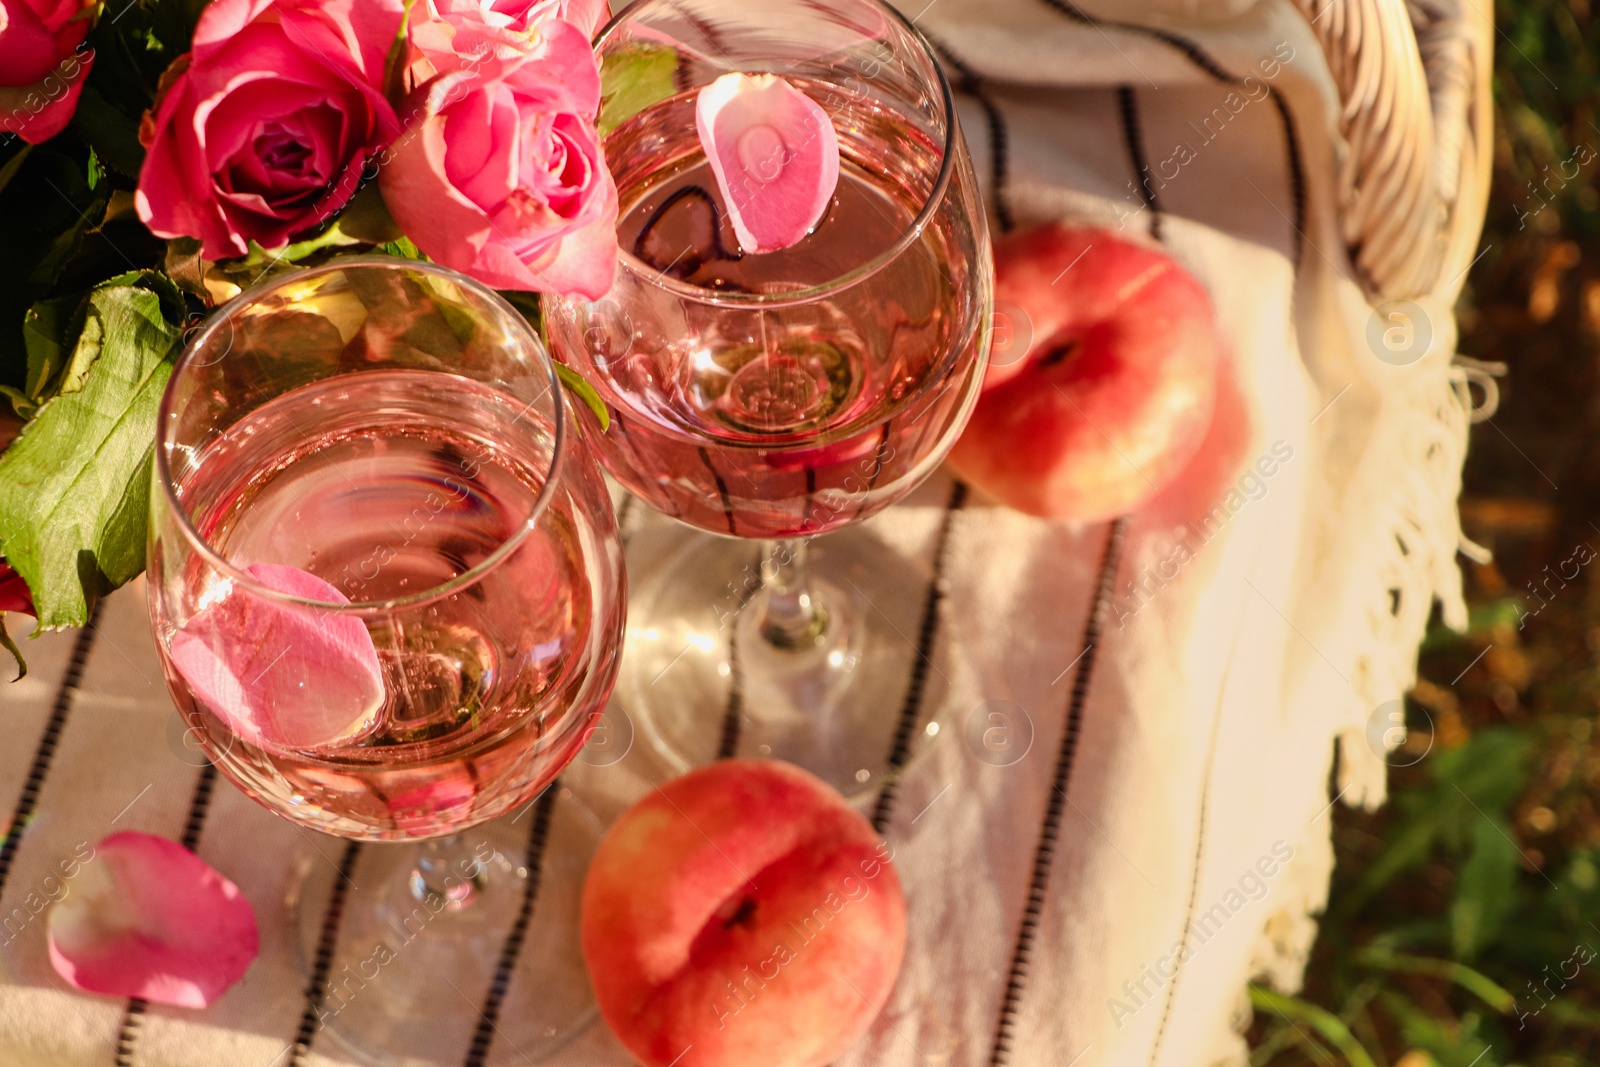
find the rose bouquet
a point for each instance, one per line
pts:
(159, 156)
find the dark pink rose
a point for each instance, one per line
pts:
(42, 67)
(14, 593)
(266, 132)
(499, 173)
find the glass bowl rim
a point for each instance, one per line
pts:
(936, 195)
(228, 312)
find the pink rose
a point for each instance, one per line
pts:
(500, 174)
(521, 16)
(42, 69)
(266, 131)
(14, 593)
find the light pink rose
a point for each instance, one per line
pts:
(266, 131)
(42, 67)
(499, 173)
(521, 16)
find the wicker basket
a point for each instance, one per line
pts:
(1413, 182)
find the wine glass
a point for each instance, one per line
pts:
(782, 395)
(387, 591)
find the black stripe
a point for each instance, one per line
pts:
(1194, 885)
(1297, 177)
(927, 637)
(45, 751)
(538, 837)
(733, 713)
(128, 1033)
(1133, 137)
(811, 492)
(624, 443)
(999, 160)
(624, 514)
(133, 1014)
(327, 941)
(1196, 55)
(722, 489)
(999, 142)
(1044, 853)
(199, 804)
(1204, 61)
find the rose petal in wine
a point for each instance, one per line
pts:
(433, 806)
(285, 676)
(145, 917)
(775, 155)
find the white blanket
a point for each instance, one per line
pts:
(1188, 847)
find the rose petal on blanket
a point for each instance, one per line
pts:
(146, 917)
(286, 676)
(775, 154)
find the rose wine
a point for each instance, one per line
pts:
(386, 485)
(816, 407)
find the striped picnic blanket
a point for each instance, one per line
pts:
(1157, 831)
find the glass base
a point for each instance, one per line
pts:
(701, 680)
(423, 932)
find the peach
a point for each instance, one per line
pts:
(1113, 395)
(742, 914)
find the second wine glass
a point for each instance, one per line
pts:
(781, 395)
(388, 593)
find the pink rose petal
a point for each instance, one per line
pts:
(145, 917)
(433, 806)
(775, 154)
(282, 676)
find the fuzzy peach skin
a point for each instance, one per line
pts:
(1114, 394)
(742, 914)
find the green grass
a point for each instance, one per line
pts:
(1464, 924)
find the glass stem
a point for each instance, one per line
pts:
(792, 614)
(447, 869)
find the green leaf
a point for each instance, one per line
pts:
(1491, 769)
(527, 304)
(1485, 888)
(10, 645)
(73, 485)
(66, 244)
(1329, 1025)
(1482, 778)
(1406, 845)
(333, 237)
(1477, 983)
(366, 218)
(586, 393)
(14, 164)
(111, 134)
(633, 78)
(45, 330)
(173, 21)
(394, 64)
(21, 402)
(401, 247)
(95, 170)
